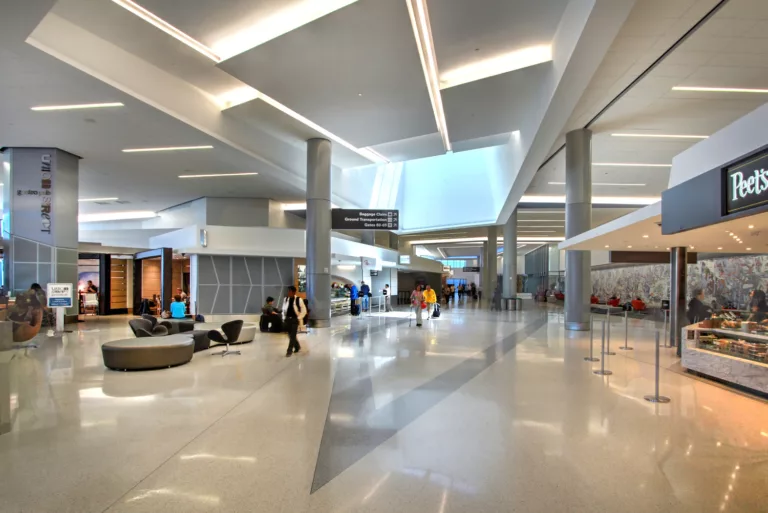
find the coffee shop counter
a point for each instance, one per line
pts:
(734, 356)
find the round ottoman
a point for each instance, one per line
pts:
(247, 334)
(148, 352)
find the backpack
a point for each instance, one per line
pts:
(199, 318)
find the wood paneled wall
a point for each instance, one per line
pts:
(118, 279)
(150, 278)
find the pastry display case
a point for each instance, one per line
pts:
(732, 351)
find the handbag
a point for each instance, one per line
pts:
(423, 305)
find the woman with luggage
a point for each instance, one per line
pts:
(417, 301)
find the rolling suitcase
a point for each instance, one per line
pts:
(436, 313)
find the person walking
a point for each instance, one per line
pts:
(417, 298)
(430, 298)
(354, 307)
(387, 298)
(365, 292)
(293, 312)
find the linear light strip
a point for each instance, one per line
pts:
(76, 106)
(518, 59)
(116, 216)
(217, 175)
(606, 184)
(166, 148)
(663, 136)
(421, 30)
(82, 200)
(167, 28)
(720, 89)
(628, 164)
(596, 200)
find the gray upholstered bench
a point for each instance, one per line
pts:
(148, 352)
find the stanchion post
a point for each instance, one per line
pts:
(626, 347)
(591, 357)
(602, 371)
(656, 398)
(666, 330)
(607, 348)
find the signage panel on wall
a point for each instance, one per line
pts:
(360, 219)
(471, 269)
(59, 295)
(405, 259)
(746, 184)
(374, 273)
(33, 185)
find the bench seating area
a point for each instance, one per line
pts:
(147, 353)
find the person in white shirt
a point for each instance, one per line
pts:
(387, 298)
(293, 312)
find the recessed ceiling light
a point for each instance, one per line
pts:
(719, 89)
(607, 246)
(217, 175)
(628, 164)
(607, 184)
(81, 200)
(751, 226)
(167, 148)
(77, 106)
(493, 66)
(720, 248)
(741, 242)
(749, 249)
(691, 247)
(115, 216)
(663, 136)
(629, 247)
(417, 9)
(730, 233)
(667, 249)
(645, 236)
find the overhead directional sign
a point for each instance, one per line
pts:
(359, 219)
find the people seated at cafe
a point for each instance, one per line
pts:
(90, 288)
(271, 318)
(697, 310)
(638, 305)
(178, 308)
(614, 301)
(594, 299)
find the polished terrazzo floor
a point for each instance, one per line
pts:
(475, 412)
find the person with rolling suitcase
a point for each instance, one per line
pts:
(436, 311)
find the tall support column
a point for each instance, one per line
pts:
(319, 232)
(491, 257)
(510, 256)
(39, 218)
(678, 277)
(578, 219)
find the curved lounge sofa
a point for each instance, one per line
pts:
(148, 352)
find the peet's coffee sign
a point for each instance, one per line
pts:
(746, 184)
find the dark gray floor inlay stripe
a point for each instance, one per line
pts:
(354, 427)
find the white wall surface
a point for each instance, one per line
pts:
(743, 136)
(262, 241)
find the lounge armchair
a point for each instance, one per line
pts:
(144, 328)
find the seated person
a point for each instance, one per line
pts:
(178, 308)
(271, 318)
(638, 305)
(697, 310)
(90, 288)
(27, 313)
(614, 301)
(594, 299)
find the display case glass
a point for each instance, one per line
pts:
(739, 344)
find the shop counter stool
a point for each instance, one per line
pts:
(231, 331)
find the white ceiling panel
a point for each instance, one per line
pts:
(481, 142)
(467, 32)
(413, 148)
(355, 72)
(282, 126)
(494, 105)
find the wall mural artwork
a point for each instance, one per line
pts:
(723, 279)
